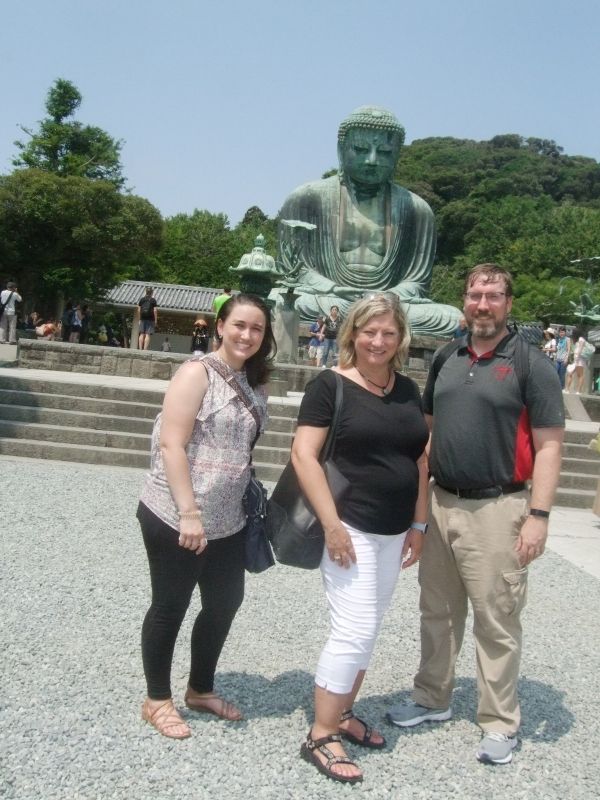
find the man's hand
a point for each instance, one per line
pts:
(532, 540)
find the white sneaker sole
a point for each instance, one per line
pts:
(485, 759)
(440, 716)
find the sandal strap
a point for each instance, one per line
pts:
(165, 717)
(346, 715)
(316, 744)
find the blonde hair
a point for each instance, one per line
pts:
(360, 314)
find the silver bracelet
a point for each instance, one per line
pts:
(189, 514)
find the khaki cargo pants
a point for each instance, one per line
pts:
(468, 553)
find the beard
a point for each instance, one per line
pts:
(486, 327)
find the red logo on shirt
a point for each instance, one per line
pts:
(502, 373)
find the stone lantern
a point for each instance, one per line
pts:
(257, 270)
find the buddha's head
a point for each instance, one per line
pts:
(369, 142)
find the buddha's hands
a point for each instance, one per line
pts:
(348, 292)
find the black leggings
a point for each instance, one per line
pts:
(174, 572)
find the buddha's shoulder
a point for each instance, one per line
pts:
(315, 189)
(402, 195)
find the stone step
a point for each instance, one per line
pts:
(578, 437)
(78, 436)
(58, 451)
(271, 455)
(575, 480)
(586, 466)
(574, 498)
(572, 450)
(281, 424)
(132, 394)
(70, 402)
(272, 438)
(78, 419)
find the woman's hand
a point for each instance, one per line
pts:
(411, 551)
(192, 535)
(339, 546)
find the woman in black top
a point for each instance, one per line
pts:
(380, 443)
(200, 336)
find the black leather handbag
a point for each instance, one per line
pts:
(293, 528)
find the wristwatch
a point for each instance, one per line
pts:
(420, 526)
(538, 512)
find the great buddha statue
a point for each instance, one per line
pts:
(358, 233)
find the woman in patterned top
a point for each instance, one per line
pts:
(191, 511)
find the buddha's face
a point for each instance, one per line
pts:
(369, 156)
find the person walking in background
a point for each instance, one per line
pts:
(191, 509)
(76, 324)
(148, 318)
(379, 449)
(166, 345)
(549, 344)
(496, 415)
(86, 321)
(316, 341)
(65, 321)
(329, 332)
(582, 353)
(563, 351)
(200, 337)
(461, 329)
(8, 318)
(221, 298)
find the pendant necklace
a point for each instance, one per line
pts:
(383, 389)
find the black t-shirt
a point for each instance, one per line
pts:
(147, 306)
(378, 442)
(331, 327)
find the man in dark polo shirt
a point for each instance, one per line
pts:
(496, 416)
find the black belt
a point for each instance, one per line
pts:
(488, 491)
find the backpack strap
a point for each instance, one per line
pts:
(522, 357)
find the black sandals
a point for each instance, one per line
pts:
(366, 740)
(307, 751)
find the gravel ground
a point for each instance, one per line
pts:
(75, 584)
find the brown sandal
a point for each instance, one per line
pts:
(307, 751)
(204, 704)
(164, 718)
(366, 740)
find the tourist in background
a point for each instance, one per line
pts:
(148, 318)
(379, 448)
(200, 337)
(8, 319)
(221, 298)
(549, 344)
(329, 332)
(563, 351)
(191, 511)
(581, 361)
(316, 341)
(461, 329)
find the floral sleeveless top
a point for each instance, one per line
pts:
(218, 452)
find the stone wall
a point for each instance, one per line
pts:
(99, 360)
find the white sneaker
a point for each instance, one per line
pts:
(496, 748)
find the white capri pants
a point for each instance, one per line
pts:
(358, 598)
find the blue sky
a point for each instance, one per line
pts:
(229, 104)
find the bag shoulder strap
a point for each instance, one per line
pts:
(328, 447)
(228, 376)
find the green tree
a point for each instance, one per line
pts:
(197, 249)
(70, 236)
(66, 147)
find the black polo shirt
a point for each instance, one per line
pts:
(481, 430)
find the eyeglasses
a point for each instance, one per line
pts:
(491, 297)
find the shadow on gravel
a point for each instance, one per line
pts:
(261, 697)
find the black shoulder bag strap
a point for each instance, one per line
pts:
(228, 376)
(329, 446)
